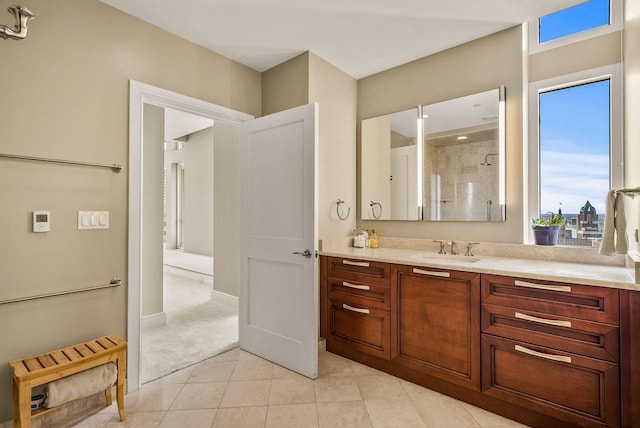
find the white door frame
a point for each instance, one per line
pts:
(140, 94)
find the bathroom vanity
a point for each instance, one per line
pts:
(544, 343)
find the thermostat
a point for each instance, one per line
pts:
(41, 221)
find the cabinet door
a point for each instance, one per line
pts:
(437, 324)
(359, 327)
(579, 390)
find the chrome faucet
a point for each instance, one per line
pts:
(469, 245)
(442, 251)
(22, 15)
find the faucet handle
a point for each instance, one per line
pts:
(442, 251)
(469, 245)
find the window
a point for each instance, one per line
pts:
(579, 22)
(576, 150)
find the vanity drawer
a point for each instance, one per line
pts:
(365, 329)
(587, 338)
(359, 270)
(598, 304)
(359, 293)
(579, 390)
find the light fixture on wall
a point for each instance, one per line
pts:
(19, 31)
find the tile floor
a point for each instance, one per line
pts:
(237, 389)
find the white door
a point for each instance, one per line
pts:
(278, 293)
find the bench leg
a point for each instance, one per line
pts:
(107, 395)
(22, 404)
(122, 370)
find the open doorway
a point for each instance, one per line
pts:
(179, 311)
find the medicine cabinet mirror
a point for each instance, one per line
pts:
(454, 170)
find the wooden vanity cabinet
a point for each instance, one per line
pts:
(552, 347)
(358, 306)
(436, 323)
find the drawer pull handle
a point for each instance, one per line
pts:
(351, 308)
(361, 264)
(563, 288)
(561, 358)
(432, 273)
(357, 287)
(557, 323)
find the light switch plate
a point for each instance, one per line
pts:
(91, 220)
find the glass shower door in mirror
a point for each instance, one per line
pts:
(464, 158)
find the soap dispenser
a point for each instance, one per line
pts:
(373, 239)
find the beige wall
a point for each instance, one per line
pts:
(197, 219)
(473, 67)
(603, 50)
(286, 85)
(226, 217)
(65, 95)
(376, 167)
(337, 95)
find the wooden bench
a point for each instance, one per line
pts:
(38, 370)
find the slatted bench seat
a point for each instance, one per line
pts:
(40, 369)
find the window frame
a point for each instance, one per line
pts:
(615, 24)
(616, 148)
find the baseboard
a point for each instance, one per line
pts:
(225, 298)
(153, 320)
(189, 274)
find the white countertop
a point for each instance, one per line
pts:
(576, 273)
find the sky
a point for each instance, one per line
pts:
(574, 128)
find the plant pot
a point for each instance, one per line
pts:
(545, 235)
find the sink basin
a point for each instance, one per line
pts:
(447, 257)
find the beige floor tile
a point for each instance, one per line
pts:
(347, 414)
(248, 356)
(393, 414)
(280, 372)
(292, 391)
(202, 418)
(376, 387)
(362, 370)
(181, 376)
(139, 420)
(93, 421)
(489, 420)
(333, 365)
(245, 417)
(152, 398)
(246, 394)
(199, 396)
(212, 371)
(252, 370)
(292, 416)
(438, 410)
(231, 355)
(332, 388)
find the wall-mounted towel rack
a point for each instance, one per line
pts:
(114, 167)
(115, 282)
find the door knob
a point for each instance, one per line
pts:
(306, 253)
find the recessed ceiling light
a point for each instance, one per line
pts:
(477, 105)
(462, 137)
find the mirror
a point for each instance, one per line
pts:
(454, 172)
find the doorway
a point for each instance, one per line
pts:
(146, 217)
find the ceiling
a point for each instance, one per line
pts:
(360, 37)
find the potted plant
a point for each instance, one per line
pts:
(545, 230)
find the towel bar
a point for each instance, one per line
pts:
(115, 167)
(116, 282)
